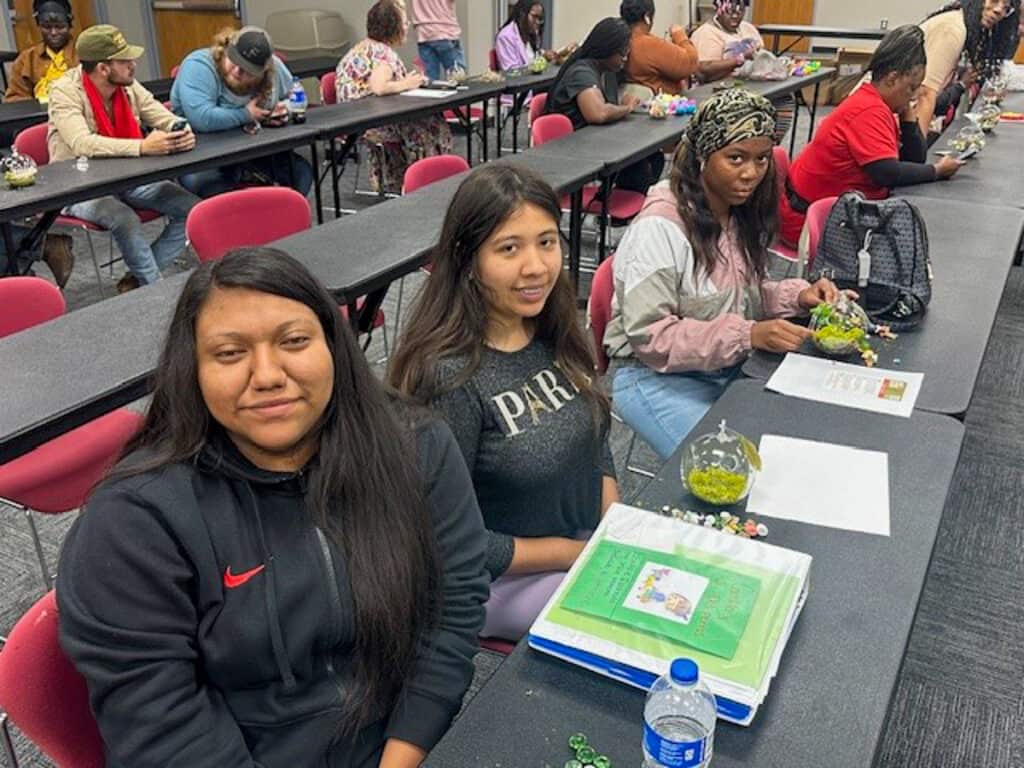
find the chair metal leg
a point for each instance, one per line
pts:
(47, 578)
(629, 455)
(398, 303)
(7, 742)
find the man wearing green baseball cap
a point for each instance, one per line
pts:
(99, 110)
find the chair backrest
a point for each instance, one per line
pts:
(43, 693)
(245, 217)
(548, 128)
(537, 105)
(329, 88)
(431, 169)
(31, 141)
(599, 309)
(817, 214)
(492, 60)
(175, 69)
(27, 301)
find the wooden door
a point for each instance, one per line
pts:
(1019, 58)
(784, 12)
(26, 33)
(178, 33)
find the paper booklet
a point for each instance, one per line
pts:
(648, 589)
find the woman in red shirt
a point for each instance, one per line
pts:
(860, 146)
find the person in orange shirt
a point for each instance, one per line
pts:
(658, 64)
(37, 67)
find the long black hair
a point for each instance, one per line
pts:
(608, 37)
(518, 14)
(451, 314)
(985, 48)
(900, 51)
(757, 218)
(364, 492)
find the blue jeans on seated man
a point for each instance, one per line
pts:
(663, 407)
(117, 213)
(440, 56)
(279, 169)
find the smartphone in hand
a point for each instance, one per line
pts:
(179, 125)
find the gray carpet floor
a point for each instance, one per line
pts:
(960, 697)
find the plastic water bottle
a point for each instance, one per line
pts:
(297, 101)
(679, 719)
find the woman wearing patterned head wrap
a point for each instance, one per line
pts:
(692, 290)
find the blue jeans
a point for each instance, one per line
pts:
(276, 169)
(663, 407)
(117, 213)
(439, 56)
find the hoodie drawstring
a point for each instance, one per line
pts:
(284, 666)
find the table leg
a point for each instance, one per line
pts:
(468, 123)
(814, 111)
(517, 105)
(497, 125)
(363, 322)
(575, 236)
(318, 197)
(11, 250)
(334, 178)
(792, 128)
(776, 37)
(483, 130)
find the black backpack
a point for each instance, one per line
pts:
(879, 248)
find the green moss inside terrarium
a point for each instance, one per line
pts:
(834, 338)
(716, 485)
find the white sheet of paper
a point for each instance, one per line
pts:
(427, 93)
(854, 386)
(822, 484)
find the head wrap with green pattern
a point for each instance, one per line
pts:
(728, 117)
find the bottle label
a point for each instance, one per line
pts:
(674, 754)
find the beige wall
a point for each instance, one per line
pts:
(476, 17)
(128, 15)
(573, 19)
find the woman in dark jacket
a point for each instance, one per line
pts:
(285, 569)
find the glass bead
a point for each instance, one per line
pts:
(574, 763)
(586, 754)
(577, 740)
(602, 761)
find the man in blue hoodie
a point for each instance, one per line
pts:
(236, 83)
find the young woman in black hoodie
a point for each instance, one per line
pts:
(286, 568)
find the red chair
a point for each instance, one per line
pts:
(817, 215)
(329, 88)
(781, 162)
(32, 142)
(44, 695)
(248, 217)
(418, 175)
(537, 105)
(599, 312)
(175, 70)
(245, 217)
(57, 476)
(431, 169)
(622, 204)
(492, 60)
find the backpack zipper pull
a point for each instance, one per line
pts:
(864, 262)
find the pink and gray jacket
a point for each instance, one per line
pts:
(672, 319)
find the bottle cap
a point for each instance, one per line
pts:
(684, 671)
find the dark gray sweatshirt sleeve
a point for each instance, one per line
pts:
(444, 669)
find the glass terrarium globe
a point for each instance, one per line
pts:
(19, 170)
(990, 115)
(839, 329)
(720, 467)
(972, 132)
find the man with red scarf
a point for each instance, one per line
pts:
(98, 110)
